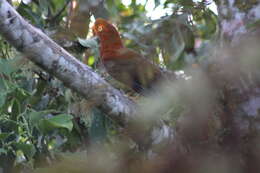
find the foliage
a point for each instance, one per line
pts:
(40, 118)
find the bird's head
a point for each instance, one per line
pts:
(102, 27)
(107, 34)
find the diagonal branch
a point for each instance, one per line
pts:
(52, 58)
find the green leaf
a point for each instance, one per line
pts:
(26, 11)
(55, 122)
(16, 109)
(97, 130)
(6, 67)
(90, 43)
(112, 7)
(208, 24)
(21, 94)
(2, 84)
(28, 149)
(91, 60)
(35, 117)
(44, 5)
(2, 98)
(179, 46)
(3, 151)
(57, 4)
(8, 124)
(3, 136)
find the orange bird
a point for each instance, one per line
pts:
(123, 64)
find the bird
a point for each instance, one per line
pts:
(124, 64)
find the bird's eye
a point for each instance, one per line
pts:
(100, 28)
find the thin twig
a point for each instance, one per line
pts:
(54, 18)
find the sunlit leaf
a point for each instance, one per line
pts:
(91, 60)
(208, 24)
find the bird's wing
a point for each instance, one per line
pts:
(133, 70)
(125, 71)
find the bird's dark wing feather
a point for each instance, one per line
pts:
(135, 72)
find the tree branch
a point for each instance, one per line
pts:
(44, 52)
(52, 58)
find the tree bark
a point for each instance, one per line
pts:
(45, 53)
